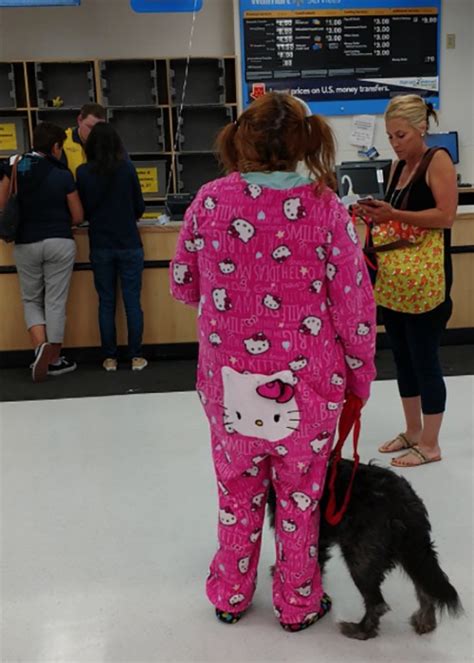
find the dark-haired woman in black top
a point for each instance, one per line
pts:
(113, 203)
(426, 181)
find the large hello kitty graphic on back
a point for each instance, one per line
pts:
(260, 406)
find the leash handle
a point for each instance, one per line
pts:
(350, 418)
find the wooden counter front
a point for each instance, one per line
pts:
(167, 321)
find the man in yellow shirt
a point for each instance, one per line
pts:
(73, 148)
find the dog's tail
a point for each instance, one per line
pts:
(420, 561)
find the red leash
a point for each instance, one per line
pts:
(368, 223)
(350, 418)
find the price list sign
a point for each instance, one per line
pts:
(349, 59)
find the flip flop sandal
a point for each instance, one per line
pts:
(423, 460)
(406, 444)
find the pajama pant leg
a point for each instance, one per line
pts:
(243, 478)
(297, 585)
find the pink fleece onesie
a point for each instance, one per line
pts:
(286, 327)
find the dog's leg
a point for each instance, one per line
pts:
(424, 619)
(368, 583)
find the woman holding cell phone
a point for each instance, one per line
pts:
(411, 233)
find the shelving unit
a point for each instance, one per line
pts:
(143, 98)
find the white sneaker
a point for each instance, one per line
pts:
(139, 363)
(110, 364)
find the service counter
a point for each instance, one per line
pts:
(168, 322)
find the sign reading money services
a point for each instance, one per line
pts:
(340, 56)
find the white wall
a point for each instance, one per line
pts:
(110, 29)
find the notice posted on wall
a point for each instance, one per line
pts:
(340, 56)
(363, 128)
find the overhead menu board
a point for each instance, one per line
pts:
(340, 56)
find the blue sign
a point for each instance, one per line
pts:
(166, 5)
(340, 56)
(40, 3)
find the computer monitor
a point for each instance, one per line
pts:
(359, 179)
(446, 139)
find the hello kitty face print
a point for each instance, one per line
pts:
(255, 535)
(351, 231)
(311, 325)
(331, 271)
(257, 501)
(321, 442)
(181, 274)
(210, 203)
(260, 406)
(253, 190)
(272, 302)
(293, 209)
(190, 246)
(241, 229)
(227, 517)
(227, 266)
(316, 286)
(198, 242)
(236, 599)
(243, 565)
(221, 299)
(363, 328)
(321, 252)
(215, 339)
(299, 363)
(289, 526)
(353, 362)
(305, 590)
(337, 380)
(281, 253)
(301, 500)
(257, 344)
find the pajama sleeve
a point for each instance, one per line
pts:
(351, 301)
(184, 269)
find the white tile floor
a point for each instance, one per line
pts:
(108, 524)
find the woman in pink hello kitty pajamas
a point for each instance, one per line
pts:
(286, 329)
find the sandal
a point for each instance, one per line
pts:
(419, 455)
(405, 443)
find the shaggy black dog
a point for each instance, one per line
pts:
(386, 524)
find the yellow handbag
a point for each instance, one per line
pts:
(411, 279)
(410, 260)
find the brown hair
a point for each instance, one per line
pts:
(273, 133)
(46, 135)
(413, 109)
(96, 110)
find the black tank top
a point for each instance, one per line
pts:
(417, 196)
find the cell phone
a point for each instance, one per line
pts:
(366, 201)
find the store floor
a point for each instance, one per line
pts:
(170, 375)
(109, 522)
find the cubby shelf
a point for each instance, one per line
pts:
(143, 98)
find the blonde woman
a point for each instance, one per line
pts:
(415, 300)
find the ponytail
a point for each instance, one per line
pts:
(320, 151)
(430, 113)
(225, 148)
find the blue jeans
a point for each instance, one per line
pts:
(108, 265)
